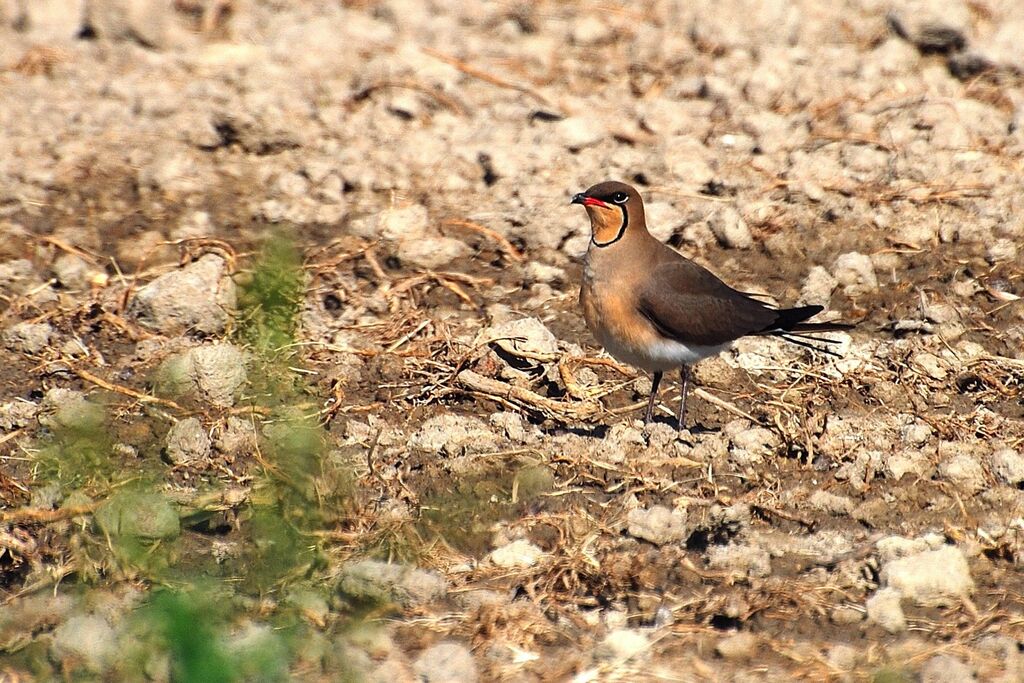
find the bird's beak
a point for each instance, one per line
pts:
(580, 198)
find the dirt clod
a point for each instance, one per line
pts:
(199, 298)
(187, 442)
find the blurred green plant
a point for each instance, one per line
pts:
(186, 626)
(77, 452)
(890, 674)
(199, 631)
(270, 299)
(286, 503)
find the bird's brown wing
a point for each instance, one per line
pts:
(688, 303)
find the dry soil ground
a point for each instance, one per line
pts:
(294, 381)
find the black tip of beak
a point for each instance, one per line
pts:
(578, 198)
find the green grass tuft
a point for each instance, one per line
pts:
(270, 301)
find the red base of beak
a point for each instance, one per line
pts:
(590, 201)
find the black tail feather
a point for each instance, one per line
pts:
(819, 327)
(794, 320)
(821, 349)
(788, 318)
(791, 325)
(807, 337)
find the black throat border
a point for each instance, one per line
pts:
(622, 231)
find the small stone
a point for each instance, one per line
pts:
(934, 578)
(198, 298)
(884, 609)
(1003, 249)
(542, 272)
(946, 669)
(591, 30)
(916, 433)
(73, 348)
(856, 273)
(1008, 466)
(404, 104)
(831, 503)
(374, 581)
(525, 338)
(577, 132)
(657, 524)
(930, 365)
(64, 409)
(137, 514)
(895, 547)
(965, 471)
(446, 663)
(729, 228)
(818, 287)
(236, 436)
(518, 553)
(85, 640)
(400, 223)
(187, 442)
(511, 425)
(28, 337)
(622, 645)
(742, 560)
(737, 647)
(902, 463)
(292, 185)
(72, 271)
(917, 233)
(432, 252)
(750, 444)
(842, 657)
(846, 616)
(213, 373)
(17, 414)
(453, 435)
(218, 372)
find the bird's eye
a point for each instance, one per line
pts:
(620, 197)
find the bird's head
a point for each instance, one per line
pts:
(613, 208)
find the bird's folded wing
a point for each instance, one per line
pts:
(687, 303)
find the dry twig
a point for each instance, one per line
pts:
(125, 391)
(505, 245)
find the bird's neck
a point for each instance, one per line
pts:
(626, 253)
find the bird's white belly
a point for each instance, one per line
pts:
(663, 354)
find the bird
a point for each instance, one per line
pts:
(653, 308)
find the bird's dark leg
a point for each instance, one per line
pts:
(684, 376)
(655, 381)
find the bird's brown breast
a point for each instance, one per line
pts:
(612, 316)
